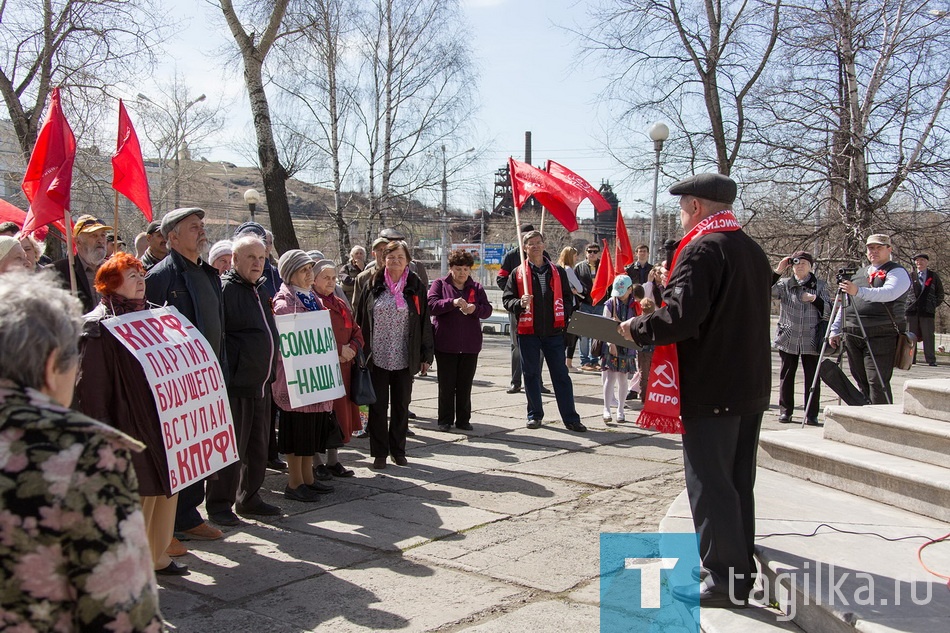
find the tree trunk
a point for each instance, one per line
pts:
(272, 171)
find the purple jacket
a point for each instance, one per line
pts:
(457, 333)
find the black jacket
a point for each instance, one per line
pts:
(586, 277)
(639, 272)
(83, 291)
(717, 312)
(923, 300)
(421, 345)
(167, 283)
(249, 334)
(542, 305)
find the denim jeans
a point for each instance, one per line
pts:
(552, 348)
(586, 358)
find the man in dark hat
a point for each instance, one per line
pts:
(878, 296)
(157, 246)
(926, 295)
(718, 298)
(182, 279)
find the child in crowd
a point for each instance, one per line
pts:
(645, 355)
(617, 362)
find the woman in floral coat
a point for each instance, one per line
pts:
(73, 551)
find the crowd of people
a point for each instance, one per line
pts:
(79, 402)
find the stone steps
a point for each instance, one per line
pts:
(801, 561)
(884, 428)
(902, 482)
(928, 399)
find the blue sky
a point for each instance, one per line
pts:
(531, 77)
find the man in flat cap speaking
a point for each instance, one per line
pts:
(712, 366)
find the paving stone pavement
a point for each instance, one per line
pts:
(492, 530)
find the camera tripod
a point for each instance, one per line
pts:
(840, 305)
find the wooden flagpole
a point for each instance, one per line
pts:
(115, 225)
(70, 258)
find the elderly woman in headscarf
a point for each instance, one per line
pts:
(393, 312)
(349, 340)
(306, 430)
(12, 256)
(72, 536)
(113, 388)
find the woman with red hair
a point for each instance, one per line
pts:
(113, 388)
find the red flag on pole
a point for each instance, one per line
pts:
(128, 168)
(624, 249)
(563, 173)
(49, 174)
(558, 197)
(10, 213)
(604, 278)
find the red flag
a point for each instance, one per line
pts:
(10, 213)
(49, 175)
(624, 250)
(604, 278)
(560, 171)
(558, 197)
(128, 168)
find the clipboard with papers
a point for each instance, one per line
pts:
(598, 327)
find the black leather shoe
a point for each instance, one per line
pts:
(708, 598)
(400, 460)
(445, 427)
(302, 492)
(320, 488)
(785, 418)
(513, 389)
(410, 433)
(534, 424)
(173, 569)
(226, 518)
(322, 473)
(811, 421)
(339, 470)
(577, 427)
(412, 416)
(464, 426)
(277, 464)
(545, 389)
(262, 509)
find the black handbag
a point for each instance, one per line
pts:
(361, 383)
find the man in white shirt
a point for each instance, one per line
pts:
(877, 295)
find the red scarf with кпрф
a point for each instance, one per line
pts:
(523, 279)
(661, 411)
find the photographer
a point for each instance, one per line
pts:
(804, 305)
(877, 297)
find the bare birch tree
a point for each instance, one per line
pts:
(855, 118)
(417, 92)
(86, 46)
(254, 48)
(676, 60)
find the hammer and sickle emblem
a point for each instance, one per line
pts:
(664, 376)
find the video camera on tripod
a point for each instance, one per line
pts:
(845, 273)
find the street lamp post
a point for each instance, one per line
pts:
(444, 267)
(180, 129)
(658, 133)
(252, 197)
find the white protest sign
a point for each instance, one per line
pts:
(311, 363)
(189, 390)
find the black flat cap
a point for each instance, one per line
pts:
(715, 187)
(921, 256)
(152, 227)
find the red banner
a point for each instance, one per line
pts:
(558, 197)
(49, 175)
(128, 168)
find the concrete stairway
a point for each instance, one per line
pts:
(895, 456)
(880, 452)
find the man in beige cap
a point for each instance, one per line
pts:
(877, 295)
(89, 234)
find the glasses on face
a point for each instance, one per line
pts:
(594, 252)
